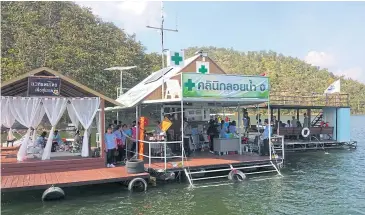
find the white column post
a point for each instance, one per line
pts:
(137, 128)
(149, 155)
(239, 128)
(269, 117)
(162, 117)
(182, 119)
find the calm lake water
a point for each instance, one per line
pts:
(313, 183)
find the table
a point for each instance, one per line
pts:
(225, 145)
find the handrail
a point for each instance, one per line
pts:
(309, 99)
(165, 157)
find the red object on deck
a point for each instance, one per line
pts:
(263, 74)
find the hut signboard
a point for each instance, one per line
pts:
(44, 86)
(224, 86)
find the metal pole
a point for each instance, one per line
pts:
(162, 49)
(268, 113)
(162, 117)
(149, 155)
(121, 82)
(282, 148)
(137, 128)
(165, 159)
(182, 126)
(239, 129)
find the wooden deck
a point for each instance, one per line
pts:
(66, 179)
(65, 171)
(206, 160)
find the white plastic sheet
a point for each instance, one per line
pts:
(26, 111)
(71, 113)
(54, 107)
(85, 110)
(7, 118)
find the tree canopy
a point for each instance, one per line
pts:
(70, 39)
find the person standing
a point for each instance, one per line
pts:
(246, 124)
(265, 136)
(187, 137)
(223, 130)
(111, 146)
(212, 132)
(134, 139)
(306, 121)
(118, 136)
(294, 122)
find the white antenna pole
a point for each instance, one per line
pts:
(162, 48)
(162, 56)
(162, 29)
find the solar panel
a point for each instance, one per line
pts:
(158, 75)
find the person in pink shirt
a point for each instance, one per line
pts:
(134, 138)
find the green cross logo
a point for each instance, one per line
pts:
(176, 58)
(203, 69)
(190, 85)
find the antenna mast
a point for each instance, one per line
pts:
(162, 29)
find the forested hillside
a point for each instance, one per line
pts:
(70, 39)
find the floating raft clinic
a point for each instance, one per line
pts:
(183, 98)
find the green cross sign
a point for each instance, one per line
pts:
(176, 58)
(202, 69)
(190, 85)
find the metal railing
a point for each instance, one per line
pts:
(278, 145)
(162, 145)
(309, 99)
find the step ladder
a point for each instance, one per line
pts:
(200, 175)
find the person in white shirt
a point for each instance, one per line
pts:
(293, 122)
(306, 121)
(288, 124)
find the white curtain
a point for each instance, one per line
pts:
(26, 111)
(3, 103)
(54, 107)
(37, 120)
(7, 118)
(85, 110)
(71, 113)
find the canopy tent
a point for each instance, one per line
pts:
(60, 93)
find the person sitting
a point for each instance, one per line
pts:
(76, 144)
(57, 141)
(41, 140)
(39, 144)
(233, 128)
(288, 124)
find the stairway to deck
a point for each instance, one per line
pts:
(316, 122)
(203, 174)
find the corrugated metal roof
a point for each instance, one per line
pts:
(149, 84)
